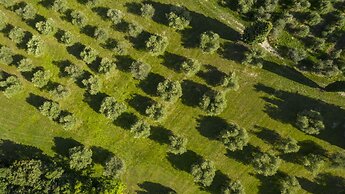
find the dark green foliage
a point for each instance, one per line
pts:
(203, 173)
(147, 10)
(178, 18)
(67, 121)
(141, 129)
(326, 68)
(111, 108)
(169, 90)
(92, 85)
(209, 42)
(26, 11)
(106, 65)
(114, 167)
(313, 18)
(78, 18)
(190, 67)
(25, 65)
(41, 78)
(80, 158)
(213, 102)
(178, 144)
(45, 27)
(316, 44)
(156, 44)
(59, 91)
(310, 122)
(229, 81)
(155, 111)
(338, 159)
(6, 55)
(296, 55)
(323, 6)
(100, 34)
(59, 6)
(73, 71)
(35, 46)
(289, 185)
(134, 29)
(16, 35)
(288, 145)
(234, 137)
(140, 70)
(50, 109)
(253, 57)
(118, 48)
(257, 32)
(266, 164)
(66, 37)
(313, 163)
(233, 187)
(301, 31)
(25, 173)
(244, 6)
(88, 55)
(10, 86)
(115, 15)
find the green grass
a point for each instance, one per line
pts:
(147, 160)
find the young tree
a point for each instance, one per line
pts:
(178, 18)
(88, 55)
(266, 164)
(288, 145)
(41, 78)
(310, 122)
(114, 167)
(45, 27)
(111, 108)
(134, 29)
(140, 70)
(26, 11)
(234, 137)
(78, 18)
(203, 172)
(115, 15)
(16, 34)
(233, 187)
(155, 111)
(141, 129)
(100, 34)
(66, 37)
(11, 86)
(178, 144)
(106, 65)
(3, 21)
(59, 6)
(213, 102)
(169, 90)
(257, 32)
(80, 158)
(190, 67)
(92, 85)
(25, 65)
(68, 121)
(156, 44)
(50, 109)
(73, 71)
(147, 10)
(6, 55)
(289, 185)
(209, 42)
(35, 46)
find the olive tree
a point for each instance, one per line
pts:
(11, 86)
(114, 167)
(203, 172)
(178, 17)
(66, 37)
(92, 84)
(78, 18)
(111, 108)
(310, 122)
(234, 137)
(287, 145)
(230, 81)
(209, 42)
(50, 109)
(6, 55)
(25, 65)
(16, 34)
(35, 46)
(106, 65)
(313, 162)
(266, 164)
(100, 34)
(88, 55)
(338, 159)
(26, 11)
(59, 6)
(80, 158)
(59, 91)
(213, 102)
(155, 111)
(45, 27)
(67, 121)
(257, 32)
(233, 187)
(190, 67)
(115, 15)
(140, 70)
(73, 71)
(289, 185)
(141, 129)
(41, 78)
(147, 10)
(134, 29)
(169, 90)
(156, 44)
(178, 144)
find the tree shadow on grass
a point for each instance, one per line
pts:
(154, 188)
(100, 155)
(35, 100)
(140, 103)
(76, 49)
(126, 120)
(172, 61)
(219, 180)
(101, 11)
(160, 135)
(244, 156)
(210, 126)
(124, 63)
(284, 107)
(267, 135)
(337, 86)
(133, 7)
(139, 42)
(269, 184)
(62, 145)
(233, 51)
(192, 92)
(88, 30)
(211, 75)
(94, 101)
(184, 161)
(149, 85)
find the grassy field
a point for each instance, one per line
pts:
(268, 100)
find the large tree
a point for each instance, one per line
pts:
(155, 111)
(88, 54)
(78, 18)
(10, 86)
(141, 129)
(266, 164)
(92, 84)
(169, 90)
(289, 185)
(213, 102)
(50, 109)
(156, 44)
(233, 187)
(114, 167)
(80, 158)
(310, 122)
(111, 108)
(203, 172)
(178, 17)
(177, 144)
(147, 10)
(234, 137)
(6, 55)
(41, 78)
(26, 11)
(287, 145)
(209, 42)
(257, 32)
(140, 70)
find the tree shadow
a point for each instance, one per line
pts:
(154, 188)
(289, 73)
(76, 49)
(211, 75)
(172, 61)
(140, 103)
(149, 85)
(184, 161)
(133, 8)
(101, 11)
(35, 100)
(124, 63)
(62, 145)
(211, 126)
(88, 30)
(284, 107)
(330, 183)
(233, 51)
(219, 180)
(160, 135)
(244, 156)
(337, 86)
(139, 42)
(269, 185)
(192, 92)
(126, 120)
(100, 155)
(94, 101)
(267, 135)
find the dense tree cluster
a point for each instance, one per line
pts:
(141, 129)
(178, 144)
(178, 17)
(92, 84)
(169, 90)
(156, 44)
(234, 137)
(266, 164)
(140, 70)
(233, 187)
(209, 42)
(310, 122)
(112, 108)
(213, 102)
(203, 172)
(10, 86)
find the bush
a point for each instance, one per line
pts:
(257, 32)
(16, 35)
(115, 15)
(156, 44)
(209, 42)
(178, 144)
(35, 46)
(25, 65)
(10, 86)
(100, 34)
(113, 167)
(147, 10)
(73, 71)
(41, 78)
(190, 67)
(233, 187)
(266, 164)
(234, 137)
(45, 27)
(155, 111)
(203, 173)
(6, 55)
(310, 122)
(178, 18)
(111, 108)
(66, 37)
(78, 18)
(140, 70)
(88, 55)
(106, 65)
(141, 129)
(50, 109)
(68, 121)
(26, 11)
(169, 90)
(92, 85)
(213, 102)
(288, 145)
(289, 185)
